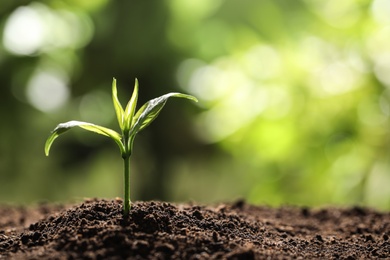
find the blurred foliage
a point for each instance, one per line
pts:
(294, 99)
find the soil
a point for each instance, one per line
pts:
(95, 229)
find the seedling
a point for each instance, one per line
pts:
(130, 123)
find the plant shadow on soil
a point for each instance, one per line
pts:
(96, 229)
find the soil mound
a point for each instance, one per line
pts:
(96, 229)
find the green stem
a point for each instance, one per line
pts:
(126, 199)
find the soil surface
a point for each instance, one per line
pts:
(95, 229)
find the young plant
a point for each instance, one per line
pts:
(130, 123)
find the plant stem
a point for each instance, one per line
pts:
(126, 199)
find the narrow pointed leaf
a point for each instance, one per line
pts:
(130, 108)
(117, 105)
(151, 109)
(64, 127)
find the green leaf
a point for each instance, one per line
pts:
(130, 108)
(117, 105)
(63, 127)
(151, 109)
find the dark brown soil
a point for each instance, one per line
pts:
(96, 229)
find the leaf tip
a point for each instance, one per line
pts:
(136, 85)
(47, 148)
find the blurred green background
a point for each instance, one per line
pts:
(294, 99)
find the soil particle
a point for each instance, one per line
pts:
(96, 229)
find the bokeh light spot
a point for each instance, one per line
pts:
(336, 13)
(262, 62)
(382, 68)
(47, 90)
(338, 78)
(37, 28)
(380, 11)
(24, 31)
